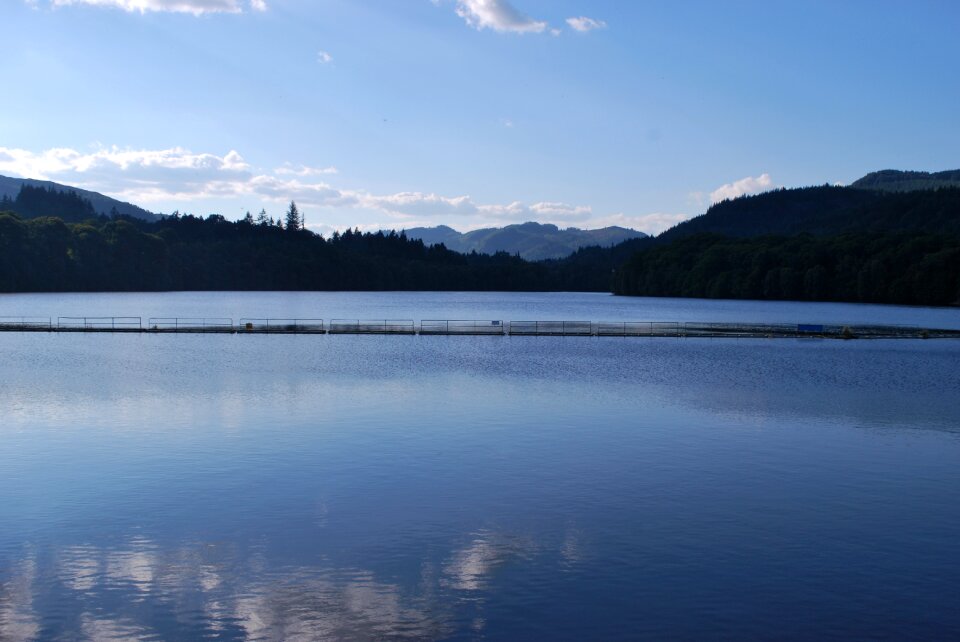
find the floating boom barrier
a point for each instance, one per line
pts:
(691, 329)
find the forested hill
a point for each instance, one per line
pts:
(826, 210)
(42, 205)
(816, 243)
(892, 180)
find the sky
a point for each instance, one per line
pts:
(392, 114)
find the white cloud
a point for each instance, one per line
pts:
(180, 178)
(583, 24)
(195, 7)
(651, 224)
(560, 211)
(748, 185)
(302, 170)
(323, 57)
(498, 15)
(151, 176)
(422, 205)
(108, 165)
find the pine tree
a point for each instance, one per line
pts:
(293, 218)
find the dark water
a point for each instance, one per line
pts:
(179, 487)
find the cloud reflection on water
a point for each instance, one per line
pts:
(471, 567)
(125, 592)
(120, 593)
(18, 619)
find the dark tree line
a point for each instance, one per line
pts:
(47, 254)
(821, 243)
(907, 268)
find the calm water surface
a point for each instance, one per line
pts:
(501, 306)
(179, 487)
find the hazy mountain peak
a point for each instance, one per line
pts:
(531, 240)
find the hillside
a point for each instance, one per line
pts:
(892, 180)
(102, 205)
(826, 210)
(532, 241)
(816, 243)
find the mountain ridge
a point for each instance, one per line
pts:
(532, 241)
(826, 210)
(895, 180)
(102, 204)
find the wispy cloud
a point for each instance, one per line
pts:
(324, 58)
(302, 170)
(742, 187)
(653, 223)
(583, 24)
(498, 15)
(148, 177)
(151, 176)
(195, 7)
(429, 205)
(185, 178)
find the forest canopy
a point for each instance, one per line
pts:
(811, 244)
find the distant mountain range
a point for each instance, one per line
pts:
(532, 241)
(10, 187)
(894, 180)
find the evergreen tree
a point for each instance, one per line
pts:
(32, 202)
(293, 218)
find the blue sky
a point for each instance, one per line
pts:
(472, 113)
